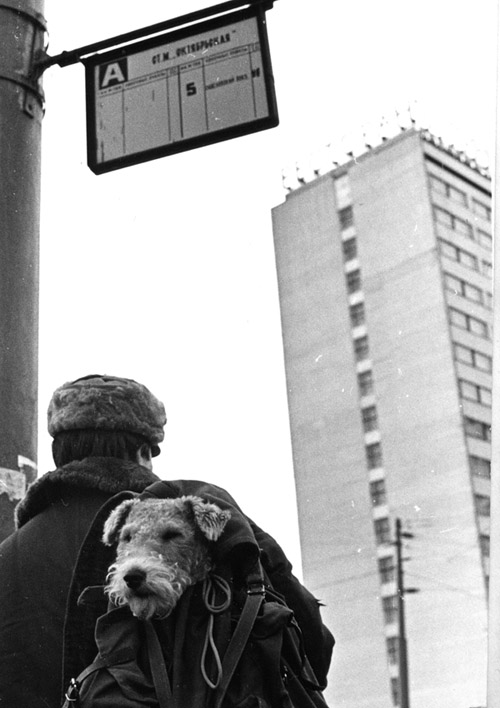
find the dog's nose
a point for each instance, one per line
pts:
(134, 579)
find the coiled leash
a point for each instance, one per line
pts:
(256, 593)
(211, 585)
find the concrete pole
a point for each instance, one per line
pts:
(22, 36)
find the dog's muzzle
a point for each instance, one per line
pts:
(134, 579)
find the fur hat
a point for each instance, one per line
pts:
(107, 403)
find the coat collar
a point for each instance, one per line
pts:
(106, 474)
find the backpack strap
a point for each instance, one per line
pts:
(158, 669)
(83, 608)
(255, 597)
(120, 656)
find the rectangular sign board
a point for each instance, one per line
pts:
(177, 91)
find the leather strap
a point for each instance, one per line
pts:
(255, 598)
(158, 669)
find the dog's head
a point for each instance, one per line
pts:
(162, 548)
(207, 517)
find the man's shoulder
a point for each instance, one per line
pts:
(105, 475)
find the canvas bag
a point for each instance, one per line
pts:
(255, 642)
(263, 666)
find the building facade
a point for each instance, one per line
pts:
(385, 281)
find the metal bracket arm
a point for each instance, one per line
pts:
(75, 55)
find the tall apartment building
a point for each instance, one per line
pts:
(385, 281)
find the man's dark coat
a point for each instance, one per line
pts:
(40, 621)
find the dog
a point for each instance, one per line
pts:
(163, 548)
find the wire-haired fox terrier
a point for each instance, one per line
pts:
(163, 547)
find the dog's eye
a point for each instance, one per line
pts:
(126, 537)
(170, 534)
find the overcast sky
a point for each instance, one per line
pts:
(164, 272)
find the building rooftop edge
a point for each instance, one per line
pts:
(303, 179)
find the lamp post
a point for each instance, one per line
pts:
(22, 36)
(401, 592)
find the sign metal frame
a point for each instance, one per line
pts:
(99, 166)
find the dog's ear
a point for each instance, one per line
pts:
(210, 519)
(115, 521)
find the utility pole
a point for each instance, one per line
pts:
(22, 36)
(400, 589)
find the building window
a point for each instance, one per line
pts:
(357, 314)
(443, 217)
(438, 186)
(463, 288)
(390, 605)
(392, 649)
(377, 492)
(396, 698)
(467, 259)
(370, 418)
(447, 190)
(462, 227)
(365, 383)
(469, 323)
(346, 217)
(471, 357)
(361, 349)
(474, 392)
(353, 281)
(481, 210)
(350, 249)
(482, 504)
(453, 223)
(382, 530)
(374, 455)
(482, 362)
(471, 292)
(458, 254)
(477, 429)
(484, 542)
(447, 249)
(386, 569)
(457, 195)
(484, 239)
(480, 467)
(487, 269)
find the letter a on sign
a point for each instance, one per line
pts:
(114, 73)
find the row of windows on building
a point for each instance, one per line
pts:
(383, 535)
(468, 291)
(480, 466)
(472, 357)
(463, 354)
(470, 323)
(369, 416)
(477, 429)
(445, 189)
(475, 392)
(462, 227)
(378, 497)
(452, 283)
(468, 390)
(465, 258)
(387, 567)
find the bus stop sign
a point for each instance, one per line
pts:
(181, 90)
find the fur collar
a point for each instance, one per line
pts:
(106, 474)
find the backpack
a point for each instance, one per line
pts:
(231, 642)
